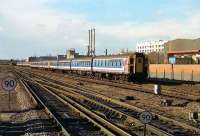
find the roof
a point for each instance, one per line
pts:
(184, 52)
(183, 45)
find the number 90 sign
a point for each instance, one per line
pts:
(9, 84)
(146, 117)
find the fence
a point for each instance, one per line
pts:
(175, 72)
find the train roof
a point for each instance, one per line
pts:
(116, 55)
(90, 57)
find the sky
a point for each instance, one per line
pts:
(50, 27)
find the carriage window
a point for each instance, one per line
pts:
(95, 63)
(101, 63)
(131, 60)
(120, 63)
(139, 60)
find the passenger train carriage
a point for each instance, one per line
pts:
(125, 66)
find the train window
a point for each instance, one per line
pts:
(115, 63)
(120, 63)
(110, 65)
(131, 60)
(139, 60)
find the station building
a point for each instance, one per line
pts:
(182, 51)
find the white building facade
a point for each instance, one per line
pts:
(150, 46)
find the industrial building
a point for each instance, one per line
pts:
(150, 46)
(70, 54)
(182, 51)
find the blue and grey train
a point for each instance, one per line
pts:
(131, 66)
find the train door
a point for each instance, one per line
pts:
(139, 64)
(131, 64)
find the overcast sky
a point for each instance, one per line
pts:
(42, 27)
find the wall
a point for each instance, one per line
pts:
(176, 71)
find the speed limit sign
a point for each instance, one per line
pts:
(9, 83)
(146, 117)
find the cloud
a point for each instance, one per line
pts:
(189, 28)
(1, 28)
(36, 25)
(32, 27)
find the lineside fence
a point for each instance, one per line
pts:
(186, 72)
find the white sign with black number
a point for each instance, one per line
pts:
(146, 117)
(9, 84)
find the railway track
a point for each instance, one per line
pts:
(111, 109)
(73, 118)
(34, 125)
(166, 91)
(31, 126)
(192, 95)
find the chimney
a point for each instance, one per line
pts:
(94, 43)
(89, 43)
(91, 47)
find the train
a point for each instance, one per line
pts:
(129, 66)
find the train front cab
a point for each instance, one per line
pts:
(136, 67)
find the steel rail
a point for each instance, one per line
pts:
(108, 132)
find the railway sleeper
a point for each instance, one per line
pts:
(96, 98)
